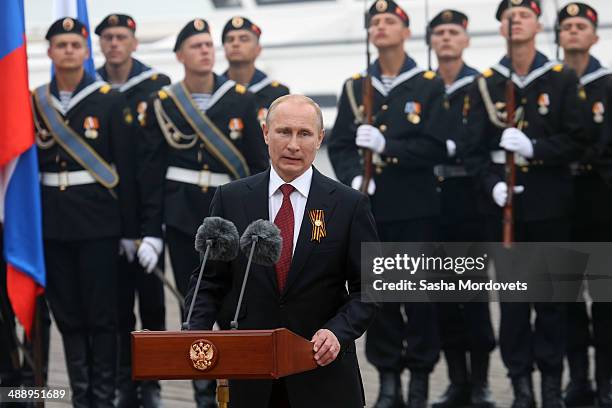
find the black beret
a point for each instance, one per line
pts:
(449, 17)
(116, 20)
(533, 5)
(197, 26)
(240, 23)
(67, 25)
(578, 10)
(388, 6)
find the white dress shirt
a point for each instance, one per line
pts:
(298, 198)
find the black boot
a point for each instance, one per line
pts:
(458, 392)
(480, 395)
(603, 376)
(103, 363)
(205, 393)
(150, 394)
(418, 390)
(523, 392)
(579, 392)
(76, 350)
(604, 393)
(127, 390)
(551, 391)
(390, 390)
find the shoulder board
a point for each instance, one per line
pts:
(429, 75)
(488, 73)
(104, 89)
(154, 77)
(558, 68)
(356, 76)
(240, 89)
(162, 94)
(275, 84)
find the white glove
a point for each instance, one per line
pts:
(368, 137)
(451, 148)
(516, 141)
(128, 248)
(149, 251)
(356, 184)
(500, 193)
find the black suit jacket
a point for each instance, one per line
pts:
(315, 295)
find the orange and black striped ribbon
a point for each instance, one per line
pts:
(317, 218)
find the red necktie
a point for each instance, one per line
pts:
(284, 221)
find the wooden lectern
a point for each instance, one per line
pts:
(223, 354)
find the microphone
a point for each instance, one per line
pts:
(262, 240)
(217, 239)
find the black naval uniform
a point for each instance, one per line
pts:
(405, 205)
(142, 83)
(592, 222)
(182, 205)
(82, 225)
(266, 91)
(185, 204)
(548, 96)
(464, 327)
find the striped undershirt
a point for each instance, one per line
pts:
(387, 81)
(202, 100)
(65, 97)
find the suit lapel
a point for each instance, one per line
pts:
(319, 198)
(256, 207)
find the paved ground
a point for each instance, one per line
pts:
(179, 394)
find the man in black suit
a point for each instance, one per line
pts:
(315, 291)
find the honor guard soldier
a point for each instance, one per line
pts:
(547, 135)
(199, 133)
(407, 102)
(85, 154)
(465, 328)
(137, 82)
(241, 44)
(592, 221)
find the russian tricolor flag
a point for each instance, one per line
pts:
(20, 208)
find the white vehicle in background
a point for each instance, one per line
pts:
(309, 45)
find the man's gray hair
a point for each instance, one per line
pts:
(297, 98)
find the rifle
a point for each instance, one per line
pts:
(509, 167)
(367, 98)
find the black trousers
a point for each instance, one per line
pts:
(82, 284)
(183, 257)
(134, 280)
(405, 335)
(523, 343)
(82, 294)
(590, 225)
(463, 326)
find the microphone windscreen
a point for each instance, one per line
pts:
(268, 248)
(224, 237)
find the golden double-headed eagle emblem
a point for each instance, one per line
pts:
(203, 355)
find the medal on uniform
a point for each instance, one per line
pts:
(543, 104)
(235, 127)
(413, 111)
(141, 109)
(598, 112)
(261, 115)
(91, 126)
(317, 219)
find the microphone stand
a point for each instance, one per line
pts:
(185, 325)
(234, 323)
